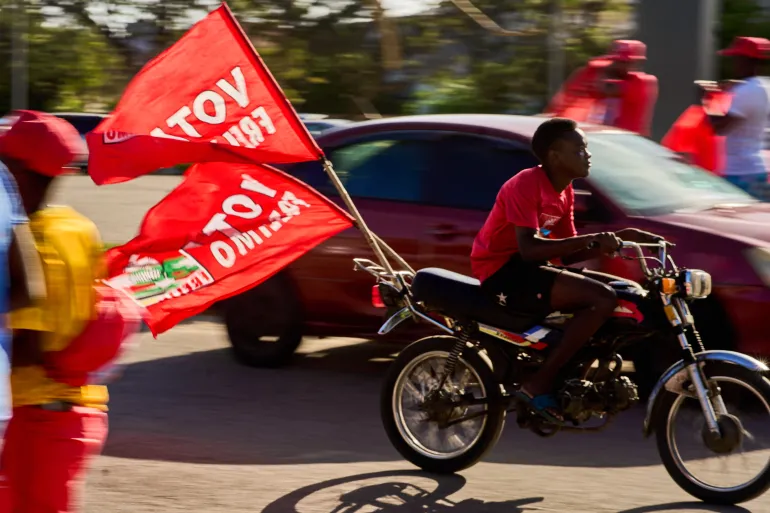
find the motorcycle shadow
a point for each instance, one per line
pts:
(396, 491)
(686, 506)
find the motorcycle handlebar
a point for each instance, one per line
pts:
(661, 245)
(631, 245)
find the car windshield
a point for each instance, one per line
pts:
(645, 178)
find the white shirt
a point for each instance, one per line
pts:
(744, 141)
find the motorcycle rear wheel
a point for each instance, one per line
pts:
(393, 417)
(669, 453)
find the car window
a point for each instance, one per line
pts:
(468, 171)
(312, 173)
(83, 124)
(316, 128)
(389, 169)
(647, 179)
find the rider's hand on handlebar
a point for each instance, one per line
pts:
(607, 242)
(642, 237)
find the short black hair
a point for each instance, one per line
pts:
(548, 133)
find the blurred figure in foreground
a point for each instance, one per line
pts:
(60, 344)
(743, 125)
(21, 275)
(612, 90)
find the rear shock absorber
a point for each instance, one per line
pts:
(454, 355)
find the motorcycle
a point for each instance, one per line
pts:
(445, 398)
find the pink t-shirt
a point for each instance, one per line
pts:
(527, 200)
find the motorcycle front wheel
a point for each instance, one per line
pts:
(418, 417)
(744, 439)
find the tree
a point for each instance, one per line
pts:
(508, 68)
(68, 68)
(329, 56)
(740, 18)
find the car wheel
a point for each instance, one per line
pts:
(264, 324)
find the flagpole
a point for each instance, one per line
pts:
(403, 263)
(371, 239)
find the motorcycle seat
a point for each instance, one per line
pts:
(460, 297)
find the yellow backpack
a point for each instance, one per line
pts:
(71, 252)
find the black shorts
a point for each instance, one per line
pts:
(523, 286)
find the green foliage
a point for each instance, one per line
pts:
(329, 56)
(740, 18)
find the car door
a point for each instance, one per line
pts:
(465, 176)
(383, 174)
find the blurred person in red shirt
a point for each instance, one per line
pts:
(62, 344)
(612, 90)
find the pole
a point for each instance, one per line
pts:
(19, 62)
(555, 49)
(681, 48)
(403, 263)
(371, 239)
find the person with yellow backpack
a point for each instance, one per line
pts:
(62, 343)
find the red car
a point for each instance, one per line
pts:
(425, 184)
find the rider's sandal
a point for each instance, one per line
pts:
(544, 405)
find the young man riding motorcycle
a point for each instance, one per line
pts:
(530, 226)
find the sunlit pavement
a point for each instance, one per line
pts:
(191, 430)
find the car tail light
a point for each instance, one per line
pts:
(377, 298)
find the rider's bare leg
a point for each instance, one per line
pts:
(592, 303)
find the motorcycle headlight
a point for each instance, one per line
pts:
(759, 258)
(696, 283)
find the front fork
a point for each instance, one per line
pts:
(710, 399)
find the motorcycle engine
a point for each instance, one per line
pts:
(581, 399)
(621, 394)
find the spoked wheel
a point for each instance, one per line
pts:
(733, 467)
(431, 427)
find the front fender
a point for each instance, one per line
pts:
(730, 357)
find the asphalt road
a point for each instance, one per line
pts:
(193, 431)
(116, 209)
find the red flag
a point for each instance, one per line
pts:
(224, 230)
(693, 135)
(208, 98)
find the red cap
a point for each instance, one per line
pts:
(752, 47)
(628, 50)
(43, 142)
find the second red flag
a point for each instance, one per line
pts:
(225, 229)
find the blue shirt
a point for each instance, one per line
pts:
(11, 214)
